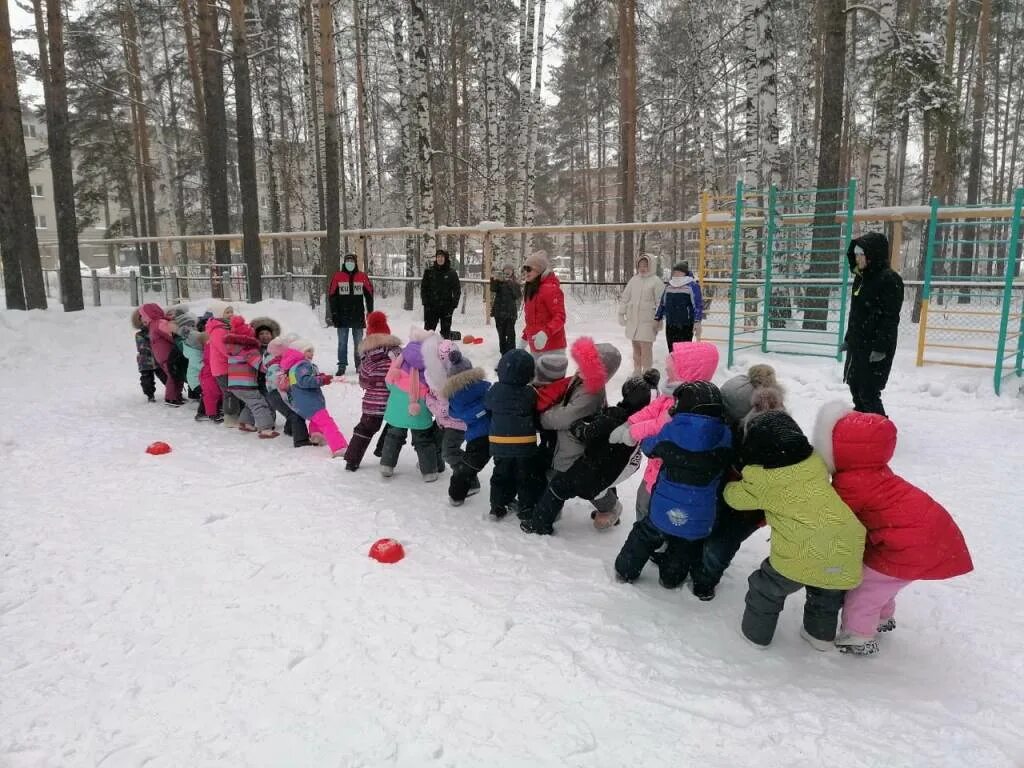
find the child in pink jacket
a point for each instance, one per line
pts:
(161, 339)
(689, 361)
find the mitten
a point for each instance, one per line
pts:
(325, 378)
(876, 357)
(621, 435)
(540, 340)
(414, 408)
(697, 330)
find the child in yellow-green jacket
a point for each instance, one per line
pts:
(817, 542)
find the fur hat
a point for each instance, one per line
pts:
(218, 307)
(636, 392)
(265, 324)
(597, 363)
(763, 400)
(691, 361)
(551, 366)
(739, 391)
(377, 322)
(539, 261)
(698, 397)
(136, 319)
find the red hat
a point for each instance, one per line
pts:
(377, 322)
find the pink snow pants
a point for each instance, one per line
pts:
(870, 603)
(172, 388)
(323, 424)
(211, 391)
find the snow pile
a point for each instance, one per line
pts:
(216, 605)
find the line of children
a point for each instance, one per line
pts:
(720, 463)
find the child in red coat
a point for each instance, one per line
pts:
(910, 536)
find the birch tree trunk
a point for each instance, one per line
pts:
(330, 246)
(767, 94)
(878, 159)
(171, 129)
(530, 203)
(627, 125)
(517, 203)
(406, 166)
(751, 128)
(361, 108)
(421, 97)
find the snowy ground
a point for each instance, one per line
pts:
(216, 606)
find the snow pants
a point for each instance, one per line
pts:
(424, 441)
(451, 445)
(674, 333)
(731, 529)
(147, 380)
(211, 392)
(577, 481)
(254, 408)
(871, 603)
(230, 404)
(506, 327)
(362, 433)
(464, 474)
(294, 424)
(674, 564)
(517, 477)
(766, 596)
(321, 423)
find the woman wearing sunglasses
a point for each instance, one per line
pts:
(543, 308)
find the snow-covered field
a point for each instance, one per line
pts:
(216, 606)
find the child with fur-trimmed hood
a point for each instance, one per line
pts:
(910, 536)
(148, 368)
(161, 339)
(465, 390)
(602, 466)
(377, 351)
(439, 356)
(304, 384)
(513, 435)
(294, 424)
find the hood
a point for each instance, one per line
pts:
(447, 261)
(265, 322)
(775, 440)
(862, 441)
(239, 332)
(152, 312)
(460, 381)
(691, 361)
(290, 358)
(597, 363)
(650, 265)
(136, 319)
(876, 249)
(515, 368)
(277, 346)
(377, 341)
(438, 356)
(181, 316)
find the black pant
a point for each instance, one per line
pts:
(674, 333)
(516, 477)
(731, 529)
(643, 541)
(866, 381)
(294, 424)
(767, 596)
(474, 458)
(431, 317)
(423, 441)
(147, 382)
(506, 327)
(362, 433)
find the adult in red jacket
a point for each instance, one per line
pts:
(350, 298)
(910, 536)
(543, 306)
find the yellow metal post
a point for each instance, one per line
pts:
(922, 329)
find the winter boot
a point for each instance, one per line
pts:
(533, 525)
(703, 592)
(888, 625)
(350, 467)
(815, 643)
(605, 520)
(175, 403)
(857, 645)
(430, 477)
(474, 488)
(242, 427)
(268, 434)
(497, 513)
(455, 502)
(318, 439)
(386, 471)
(150, 399)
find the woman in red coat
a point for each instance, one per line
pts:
(543, 306)
(910, 536)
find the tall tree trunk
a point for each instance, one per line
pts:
(193, 57)
(251, 250)
(361, 108)
(881, 134)
(904, 124)
(534, 120)
(24, 287)
(312, 103)
(216, 127)
(825, 242)
(526, 34)
(330, 246)
(58, 139)
(272, 159)
(406, 165)
(174, 130)
(751, 130)
(966, 264)
(421, 96)
(766, 56)
(627, 125)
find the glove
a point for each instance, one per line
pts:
(325, 378)
(697, 330)
(876, 357)
(540, 340)
(621, 436)
(521, 344)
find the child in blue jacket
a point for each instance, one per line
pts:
(465, 390)
(695, 448)
(681, 306)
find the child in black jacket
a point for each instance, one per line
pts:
(513, 434)
(603, 465)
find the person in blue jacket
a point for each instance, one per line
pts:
(681, 306)
(465, 390)
(695, 448)
(513, 435)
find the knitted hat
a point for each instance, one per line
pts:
(699, 397)
(377, 322)
(241, 328)
(636, 392)
(218, 307)
(551, 366)
(691, 361)
(774, 440)
(539, 261)
(681, 266)
(458, 363)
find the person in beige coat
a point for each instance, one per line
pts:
(637, 305)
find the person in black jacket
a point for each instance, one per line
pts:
(603, 465)
(874, 320)
(440, 292)
(350, 299)
(513, 434)
(506, 298)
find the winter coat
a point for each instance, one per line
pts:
(551, 393)
(506, 297)
(351, 299)
(545, 311)
(695, 452)
(377, 351)
(216, 330)
(603, 464)
(584, 397)
(144, 351)
(683, 305)
(244, 361)
(440, 409)
(511, 403)
(874, 309)
(816, 539)
(305, 395)
(406, 406)
(161, 333)
(465, 393)
(909, 535)
(637, 305)
(440, 289)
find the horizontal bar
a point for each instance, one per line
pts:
(959, 346)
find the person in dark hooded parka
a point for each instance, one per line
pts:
(874, 320)
(440, 292)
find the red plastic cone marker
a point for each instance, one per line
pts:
(387, 551)
(158, 448)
